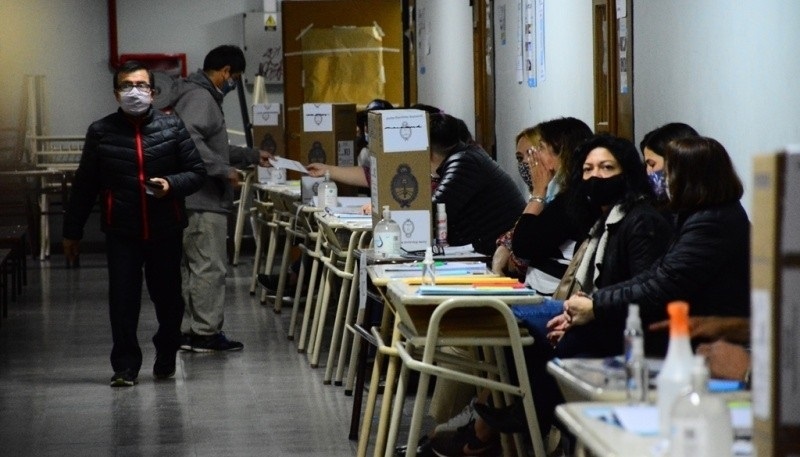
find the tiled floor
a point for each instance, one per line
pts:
(54, 372)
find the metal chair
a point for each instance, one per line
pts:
(463, 321)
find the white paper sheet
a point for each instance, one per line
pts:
(288, 164)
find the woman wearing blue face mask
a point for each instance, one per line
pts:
(707, 263)
(653, 145)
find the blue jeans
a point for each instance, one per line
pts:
(535, 317)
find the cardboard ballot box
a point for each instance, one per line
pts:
(329, 133)
(269, 133)
(775, 304)
(400, 168)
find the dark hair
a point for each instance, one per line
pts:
(129, 67)
(637, 186)
(564, 134)
(430, 109)
(445, 134)
(227, 54)
(700, 174)
(361, 116)
(656, 140)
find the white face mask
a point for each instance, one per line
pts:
(135, 102)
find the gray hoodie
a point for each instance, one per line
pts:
(199, 104)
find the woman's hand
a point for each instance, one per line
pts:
(725, 360)
(579, 308)
(540, 174)
(317, 170)
(557, 327)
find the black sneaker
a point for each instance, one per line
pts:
(215, 343)
(124, 378)
(186, 342)
(270, 282)
(164, 367)
(464, 442)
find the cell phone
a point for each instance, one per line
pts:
(153, 184)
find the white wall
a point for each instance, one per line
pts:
(444, 29)
(567, 89)
(729, 69)
(67, 40)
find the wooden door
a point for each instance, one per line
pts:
(613, 67)
(299, 15)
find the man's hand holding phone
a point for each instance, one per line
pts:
(157, 187)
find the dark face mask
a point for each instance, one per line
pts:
(525, 173)
(228, 86)
(604, 191)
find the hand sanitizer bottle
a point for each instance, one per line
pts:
(674, 379)
(636, 373)
(428, 268)
(386, 236)
(327, 192)
(441, 225)
(700, 423)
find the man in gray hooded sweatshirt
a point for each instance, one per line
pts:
(197, 100)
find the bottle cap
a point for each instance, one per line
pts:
(633, 321)
(386, 212)
(678, 318)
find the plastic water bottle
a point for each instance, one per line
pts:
(636, 372)
(386, 236)
(327, 192)
(441, 225)
(428, 268)
(700, 423)
(674, 379)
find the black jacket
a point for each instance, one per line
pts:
(538, 237)
(481, 199)
(707, 265)
(114, 167)
(634, 244)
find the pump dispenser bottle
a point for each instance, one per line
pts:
(636, 372)
(674, 379)
(386, 236)
(428, 268)
(327, 192)
(700, 423)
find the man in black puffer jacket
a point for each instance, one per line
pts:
(481, 199)
(141, 163)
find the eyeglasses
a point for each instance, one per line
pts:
(127, 87)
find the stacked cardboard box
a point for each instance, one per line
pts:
(776, 303)
(269, 133)
(329, 133)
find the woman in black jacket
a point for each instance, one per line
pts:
(708, 262)
(608, 185)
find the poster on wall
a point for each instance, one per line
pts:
(520, 45)
(540, 40)
(423, 39)
(529, 38)
(623, 57)
(501, 23)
